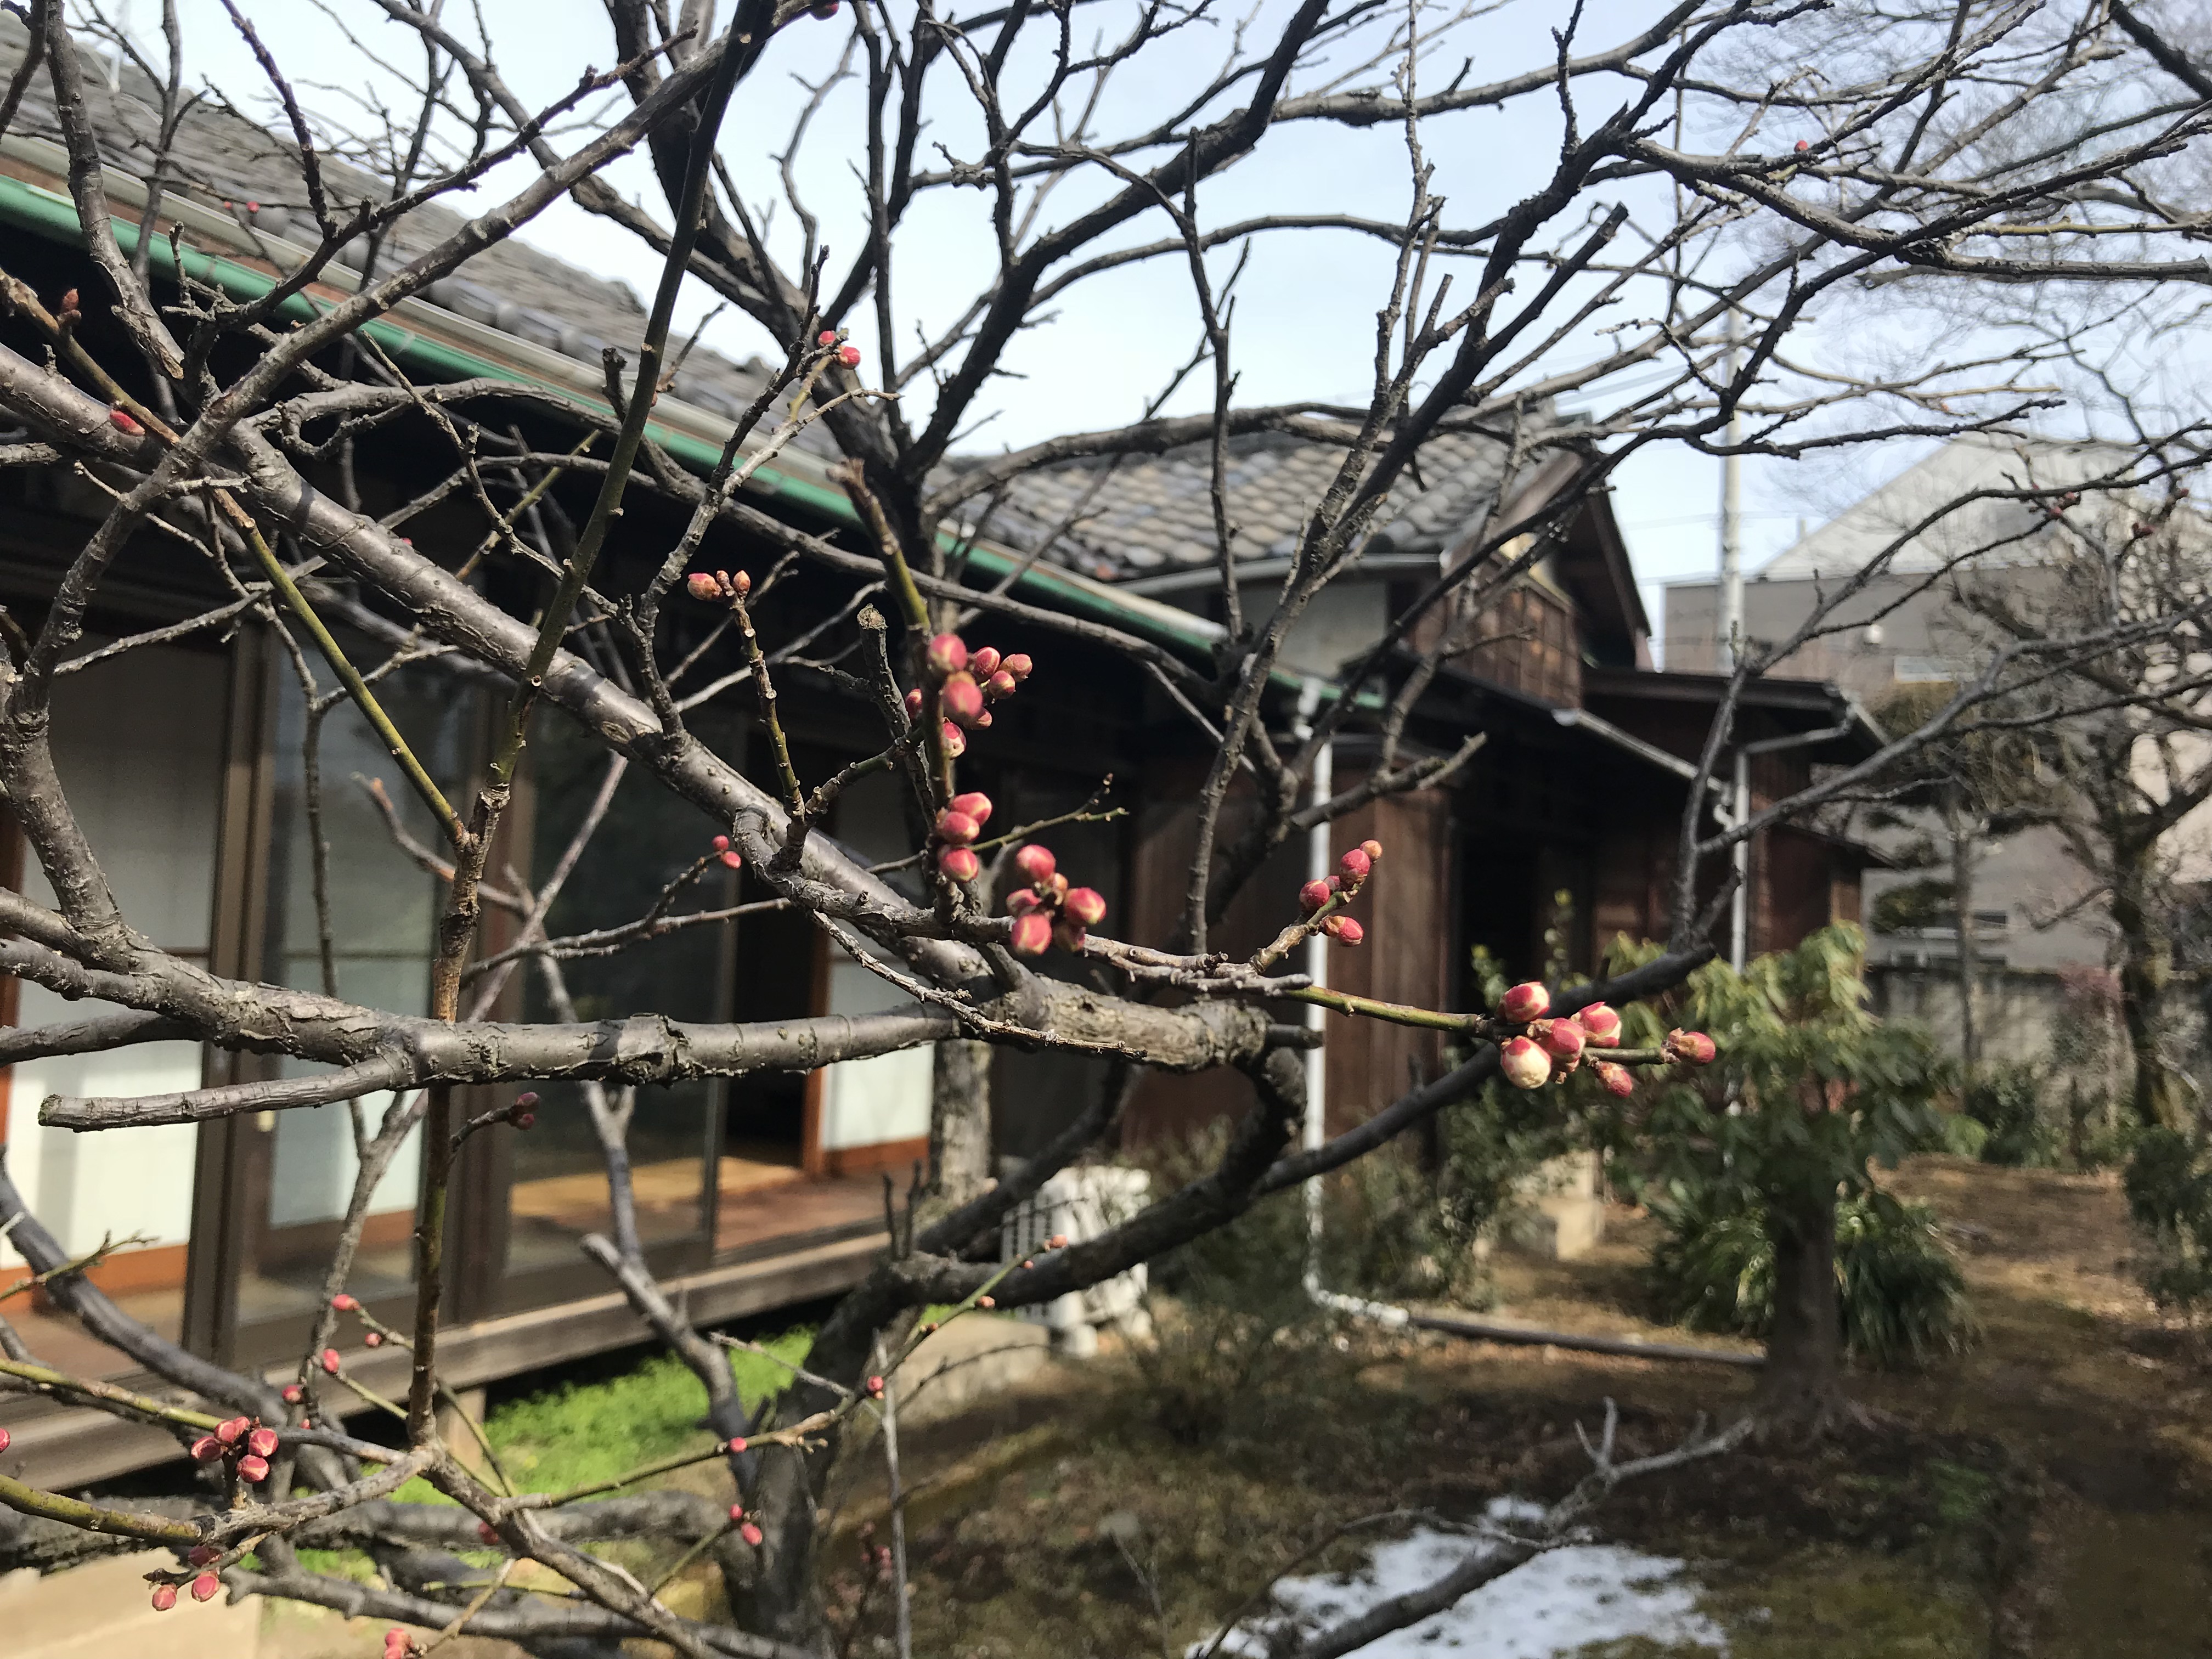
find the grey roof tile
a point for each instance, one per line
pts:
(1144, 514)
(221, 158)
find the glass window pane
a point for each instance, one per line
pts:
(299, 1167)
(647, 839)
(138, 743)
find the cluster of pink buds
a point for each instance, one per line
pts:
(1048, 910)
(722, 584)
(397, 1643)
(524, 1112)
(243, 1440)
(956, 829)
(746, 1530)
(848, 354)
(968, 681)
(873, 1556)
(1528, 1061)
(1351, 872)
(204, 1586)
(730, 859)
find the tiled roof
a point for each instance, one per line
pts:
(1149, 514)
(223, 159)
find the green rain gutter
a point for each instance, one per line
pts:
(48, 214)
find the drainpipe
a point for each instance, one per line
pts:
(1385, 1314)
(1319, 865)
(1740, 903)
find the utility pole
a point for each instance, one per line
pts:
(1729, 630)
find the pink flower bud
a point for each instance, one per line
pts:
(751, 1533)
(700, 585)
(1355, 864)
(956, 741)
(397, 1643)
(1695, 1046)
(1085, 906)
(827, 336)
(1001, 684)
(721, 843)
(975, 804)
(253, 1470)
(1037, 862)
(961, 698)
(983, 719)
(204, 1555)
(330, 1361)
(486, 1531)
(986, 1302)
(1524, 1002)
(1373, 849)
(875, 1387)
(730, 858)
(737, 1445)
(205, 1586)
(1525, 1064)
(960, 863)
(914, 703)
(1032, 934)
(372, 1340)
(1022, 901)
(957, 827)
(1562, 1038)
(123, 422)
(165, 1597)
(948, 654)
(1313, 896)
(207, 1449)
(1601, 1024)
(262, 1442)
(524, 1120)
(1019, 664)
(6, 1440)
(983, 661)
(1803, 145)
(293, 1394)
(343, 1303)
(1069, 937)
(849, 356)
(1615, 1078)
(231, 1432)
(1346, 932)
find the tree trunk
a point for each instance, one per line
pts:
(960, 1122)
(1803, 1388)
(2145, 966)
(1962, 915)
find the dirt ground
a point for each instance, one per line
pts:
(2049, 1494)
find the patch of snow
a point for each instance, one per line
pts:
(1549, 1607)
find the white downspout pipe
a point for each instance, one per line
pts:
(1320, 865)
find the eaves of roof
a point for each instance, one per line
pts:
(441, 344)
(1813, 701)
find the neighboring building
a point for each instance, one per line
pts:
(184, 761)
(2035, 916)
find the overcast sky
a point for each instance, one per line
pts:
(1305, 306)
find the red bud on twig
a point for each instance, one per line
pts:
(1615, 1078)
(948, 654)
(1032, 934)
(1037, 862)
(960, 863)
(1085, 906)
(1525, 1066)
(1600, 1023)
(1524, 1002)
